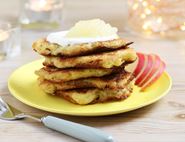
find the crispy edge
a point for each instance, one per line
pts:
(99, 96)
(43, 47)
(113, 81)
(61, 75)
(101, 60)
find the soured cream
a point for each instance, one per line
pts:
(61, 39)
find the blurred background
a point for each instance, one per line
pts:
(75, 10)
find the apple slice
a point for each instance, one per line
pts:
(147, 69)
(155, 67)
(156, 76)
(142, 63)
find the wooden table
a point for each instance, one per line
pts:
(162, 121)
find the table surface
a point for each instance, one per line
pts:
(159, 122)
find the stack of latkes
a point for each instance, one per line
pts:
(86, 73)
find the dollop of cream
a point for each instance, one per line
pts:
(61, 39)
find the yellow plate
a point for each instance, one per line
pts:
(23, 85)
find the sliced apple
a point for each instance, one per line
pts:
(155, 67)
(156, 76)
(147, 69)
(142, 63)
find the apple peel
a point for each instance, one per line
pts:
(155, 67)
(142, 62)
(155, 77)
(147, 69)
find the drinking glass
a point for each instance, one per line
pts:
(10, 40)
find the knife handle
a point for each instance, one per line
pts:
(79, 131)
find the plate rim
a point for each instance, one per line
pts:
(26, 102)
